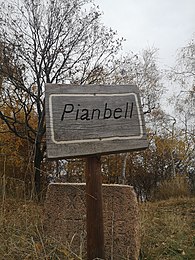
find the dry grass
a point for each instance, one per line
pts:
(22, 235)
(168, 232)
(174, 187)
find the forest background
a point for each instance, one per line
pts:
(65, 42)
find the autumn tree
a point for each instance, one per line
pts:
(52, 41)
(15, 163)
(183, 75)
(141, 70)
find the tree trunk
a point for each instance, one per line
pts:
(37, 171)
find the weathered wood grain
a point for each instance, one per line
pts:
(90, 120)
(95, 224)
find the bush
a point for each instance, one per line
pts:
(176, 187)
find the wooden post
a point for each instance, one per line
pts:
(95, 228)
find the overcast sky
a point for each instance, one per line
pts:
(164, 24)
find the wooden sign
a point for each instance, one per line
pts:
(93, 119)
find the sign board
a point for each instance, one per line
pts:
(93, 119)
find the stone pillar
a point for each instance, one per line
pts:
(65, 219)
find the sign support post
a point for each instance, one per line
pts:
(95, 227)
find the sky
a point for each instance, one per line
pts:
(167, 25)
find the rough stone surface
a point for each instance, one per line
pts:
(65, 219)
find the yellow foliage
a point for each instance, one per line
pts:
(169, 145)
(15, 150)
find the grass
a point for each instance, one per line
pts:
(22, 235)
(168, 232)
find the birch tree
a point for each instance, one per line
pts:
(183, 75)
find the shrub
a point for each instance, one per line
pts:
(175, 187)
